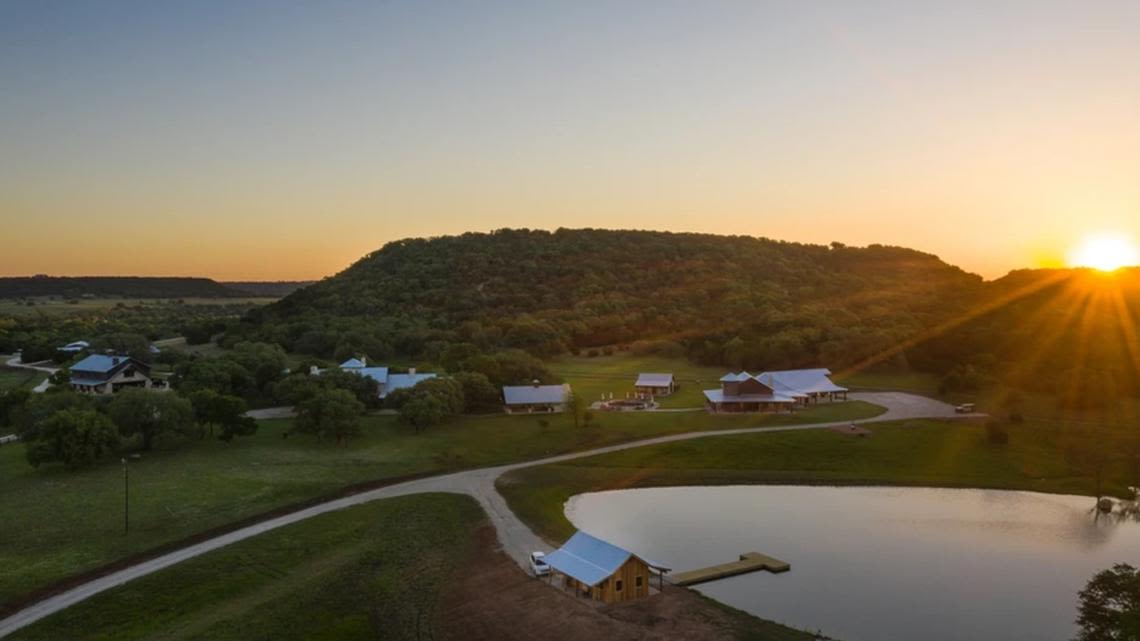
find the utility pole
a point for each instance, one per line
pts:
(126, 498)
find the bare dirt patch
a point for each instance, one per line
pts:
(492, 599)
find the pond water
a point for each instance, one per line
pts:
(879, 564)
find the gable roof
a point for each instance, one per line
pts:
(654, 380)
(404, 381)
(802, 381)
(379, 374)
(590, 559)
(352, 363)
(102, 363)
(535, 394)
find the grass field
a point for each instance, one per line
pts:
(616, 374)
(366, 572)
(924, 453)
(12, 377)
(59, 522)
(416, 567)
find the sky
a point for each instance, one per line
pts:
(285, 140)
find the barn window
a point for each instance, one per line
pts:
(637, 582)
(617, 585)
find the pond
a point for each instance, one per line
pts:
(875, 563)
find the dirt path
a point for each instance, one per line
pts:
(39, 367)
(516, 539)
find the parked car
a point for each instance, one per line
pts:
(538, 564)
(965, 408)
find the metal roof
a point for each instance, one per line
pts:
(802, 381)
(735, 378)
(380, 374)
(590, 559)
(352, 363)
(100, 363)
(404, 381)
(535, 394)
(654, 380)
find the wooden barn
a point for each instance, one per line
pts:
(602, 571)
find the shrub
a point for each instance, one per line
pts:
(996, 433)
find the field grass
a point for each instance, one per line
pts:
(366, 572)
(593, 377)
(917, 382)
(60, 522)
(13, 377)
(920, 452)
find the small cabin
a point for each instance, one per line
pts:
(649, 385)
(602, 571)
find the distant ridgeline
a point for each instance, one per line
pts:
(273, 289)
(736, 301)
(124, 286)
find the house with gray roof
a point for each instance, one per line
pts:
(648, 385)
(106, 374)
(602, 571)
(527, 399)
(386, 381)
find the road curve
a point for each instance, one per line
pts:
(515, 537)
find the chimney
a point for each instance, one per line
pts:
(364, 360)
(535, 382)
(411, 371)
(314, 370)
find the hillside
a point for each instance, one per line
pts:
(733, 302)
(114, 286)
(739, 300)
(267, 289)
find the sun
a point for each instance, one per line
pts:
(1106, 251)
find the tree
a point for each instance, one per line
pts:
(241, 426)
(365, 388)
(295, 389)
(219, 374)
(219, 410)
(150, 415)
(479, 395)
(12, 402)
(28, 418)
(73, 437)
(265, 362)
(1109, 606)
(577, 406)
(423, 410)
(331, 413)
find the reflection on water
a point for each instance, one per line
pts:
(881, 564)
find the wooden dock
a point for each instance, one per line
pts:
(749, 562)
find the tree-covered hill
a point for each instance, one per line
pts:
(738, 300)
(115, 286)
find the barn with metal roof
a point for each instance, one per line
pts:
(601, 570)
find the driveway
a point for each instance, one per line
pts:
(39, 367)
(516, 538)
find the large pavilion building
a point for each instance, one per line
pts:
(777, 391)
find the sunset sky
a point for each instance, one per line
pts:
(277, 140)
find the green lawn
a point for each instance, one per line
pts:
(616, 374)
(360, 573)
(58, 522)
(13, 377)
(917, 382)
(375, 571)
(925, 453)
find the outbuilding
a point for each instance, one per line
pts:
(654, 385)
(528, 399)
(602, 571)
